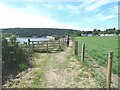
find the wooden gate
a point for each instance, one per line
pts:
(44, 45)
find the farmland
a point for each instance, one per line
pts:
(98, 48)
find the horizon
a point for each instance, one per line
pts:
(54, 28)
(83, 16)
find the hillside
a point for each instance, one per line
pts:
(39, 32)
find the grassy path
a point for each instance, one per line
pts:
(65, 71)
(55, 70)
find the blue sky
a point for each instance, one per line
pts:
(81, 15)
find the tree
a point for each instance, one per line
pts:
(79, 33)
(114, 28)
(95, 32)
(99, 30)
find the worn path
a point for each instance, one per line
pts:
(65, 71)
(55, 70)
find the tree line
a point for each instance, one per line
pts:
(98, 32)
(42, 32)
(39, 32)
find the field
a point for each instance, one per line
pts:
(99, 47)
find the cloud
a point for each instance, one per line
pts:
(99, 17)
(10, 18)
(91, 5)
(70, 9)
(104, 18)
(97, 4)
(60, 7)
(73, 10)
(89, 20)
(114, 10)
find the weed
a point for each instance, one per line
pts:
(22, 66)
(81, 74)
(101, 81)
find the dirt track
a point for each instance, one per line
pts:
(61, 71)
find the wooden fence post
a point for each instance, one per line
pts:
(109, 69)
(73, 40)
(62, 42)
(47, 46)
(32, 45)
(83, 53)
(59, 43)
(76, 47)
(28, 43)
(38, 45)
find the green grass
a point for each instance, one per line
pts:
(99, 47)
(63, 45)
(80, 75)
(101, 80)
(39, 74)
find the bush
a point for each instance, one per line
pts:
(14, 55)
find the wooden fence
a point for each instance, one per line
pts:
(109, 66)
(44, 45)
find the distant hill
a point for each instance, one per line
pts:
(39, 32)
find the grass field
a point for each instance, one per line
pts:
(99, 47)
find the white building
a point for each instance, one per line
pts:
(50, 37)
(89, 34)
(107, 34)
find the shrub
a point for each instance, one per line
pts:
(14, 55)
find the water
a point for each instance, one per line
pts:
(25, 39)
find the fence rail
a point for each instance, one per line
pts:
(44, 45)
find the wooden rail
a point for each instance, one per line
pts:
(44, 45)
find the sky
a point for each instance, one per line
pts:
(84, 15)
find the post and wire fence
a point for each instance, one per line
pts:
(109, 65)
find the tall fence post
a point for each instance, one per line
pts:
(47, 46)
(109, 69)
(83, 53)
(38, 45)
(28, 44)
(73, 40)
(63, 41)
(59, 43)
(76, 47)
(32, 45)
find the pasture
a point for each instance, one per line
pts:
(98, 48)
